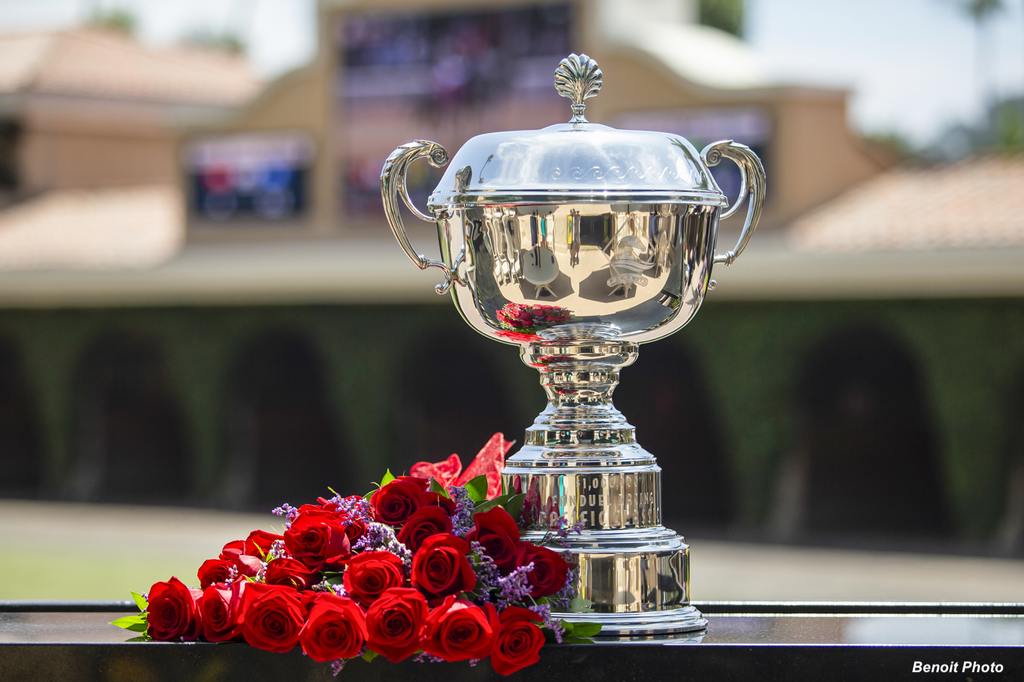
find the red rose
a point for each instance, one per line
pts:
(336, 628)
(368, 574)
(458, 630)
(290, 572)
(272, 616)
(425, 522)
(221, 609)
(173, 612)
(214, 571)
(259, 543)
(354, 529)
(246, 563)
(232, 550)
(440, 566)
(498, 532)
(399, 499)
(317, 538)
(549, 569)
(519, 641)
(394, 623)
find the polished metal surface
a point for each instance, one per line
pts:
(578, 242)
(578, 78)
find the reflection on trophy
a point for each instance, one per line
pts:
(577, 242)
(628, 265)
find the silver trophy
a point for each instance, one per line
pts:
(578, 242)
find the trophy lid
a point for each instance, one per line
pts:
(576, 161)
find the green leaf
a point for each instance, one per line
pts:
(581, 605)
(585, 630)
(140, 601)
(388, 477)
(135, 622)
(140, 638)
(369, 655)
(477, 488)
(487, 505)
(514, 505)
(577, 640)
(436, 487)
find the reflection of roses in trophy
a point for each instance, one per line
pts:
(521, 322)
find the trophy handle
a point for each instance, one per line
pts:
(393, 185)
(752, 188)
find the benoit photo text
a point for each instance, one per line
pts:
(965, 666)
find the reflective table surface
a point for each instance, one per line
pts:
(744, 641)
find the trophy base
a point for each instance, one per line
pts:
(643, 626)
(581, 465)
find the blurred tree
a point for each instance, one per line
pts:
(113, 19)
(892, 146)
(980, 12)
(726, 15)
(225, 41)
(1007, 125)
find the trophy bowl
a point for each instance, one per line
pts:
(577, 243)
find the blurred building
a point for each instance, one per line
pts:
(202, 303)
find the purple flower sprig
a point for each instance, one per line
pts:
(381, 536)
(553, 624)
(354, 507)
(515, 587)
(487, 572)
(287, 512)
(462, 518)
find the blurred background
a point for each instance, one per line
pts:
(202, 313)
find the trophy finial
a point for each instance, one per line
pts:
(578, 78)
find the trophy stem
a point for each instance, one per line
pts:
(581, 462)
(579, 379)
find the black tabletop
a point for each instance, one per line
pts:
(744, 641)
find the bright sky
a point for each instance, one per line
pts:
(909, 63)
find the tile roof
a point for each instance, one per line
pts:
(977, 203)
(129, 227)
(105, 64)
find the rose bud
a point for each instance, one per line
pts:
(214, 571)
(272, 616)
(335, 629)
(549, 569)
(317, 538)
(368, 574)
(498, 532)
(399, 499)
(440, 566)
(458, 630)
(173, 614)
(222, 608)
(519, 641)
(394, 623)
(424, 523)
(290, 572)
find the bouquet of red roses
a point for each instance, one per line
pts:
(429, 566)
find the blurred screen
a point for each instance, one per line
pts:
(246, 177)
(444, 75)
